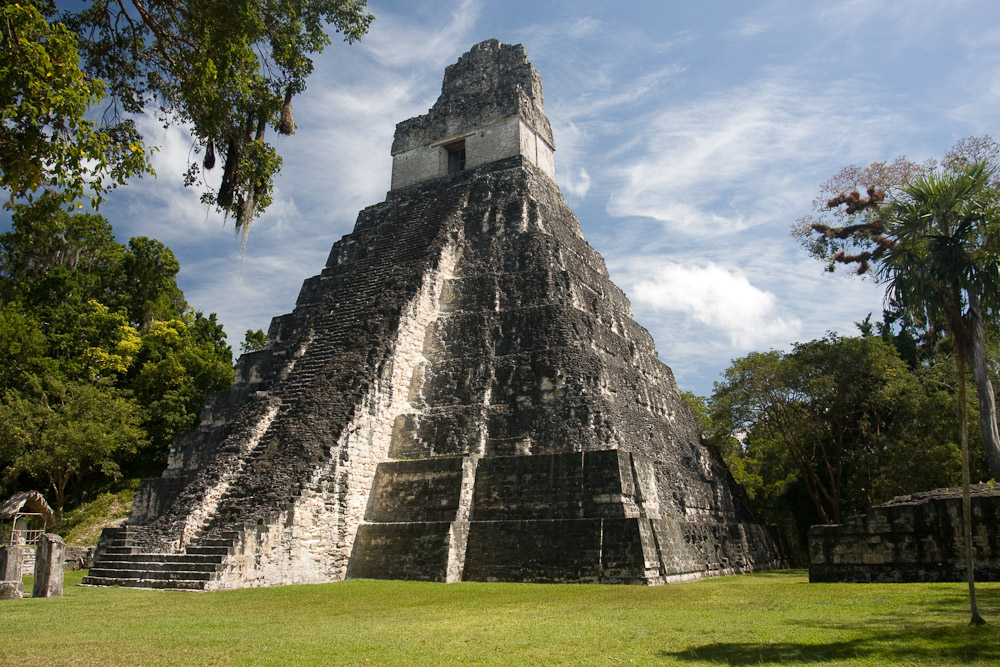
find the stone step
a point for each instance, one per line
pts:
(162, 558)
(118, 544)
(209, 551)
(190, 585)
(166, 575)
(152, 566)
(118, 550)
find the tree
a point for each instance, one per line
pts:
(66, 429)
(937, 249)
(51, 256)
(228, 69)
(47, 141)
(830, 429)
(151, 291)
(253, 341)
(180, 361)
(857, 425)
(943, 261)
(89, 324)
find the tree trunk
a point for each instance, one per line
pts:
(975, 353)
(59, 490)
(963, 420)
(814, 486)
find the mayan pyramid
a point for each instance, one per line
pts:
(460, 394)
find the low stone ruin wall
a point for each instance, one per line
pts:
(911, 538)
(78, 558)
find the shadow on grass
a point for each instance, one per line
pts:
(886, 638)
(958, 645)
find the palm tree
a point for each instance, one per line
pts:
(939, 255)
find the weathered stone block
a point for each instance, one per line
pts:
(11, 590)
(413, 550)
(79, 558)
(529, 487)
(910, 538)
(540, 551)
(10, 563)
(420, 490)
(49, 557)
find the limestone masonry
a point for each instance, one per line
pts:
(461, 394)
(910, 538)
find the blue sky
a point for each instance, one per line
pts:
(689, 137)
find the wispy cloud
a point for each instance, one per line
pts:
(571, 172)
(585, 26)
(752, 28)
(721, 163)
(397, 41)
(979, 77)
(922, 21)
(621, 92)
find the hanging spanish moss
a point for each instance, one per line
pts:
(244, 218)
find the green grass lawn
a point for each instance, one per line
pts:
(771, 618)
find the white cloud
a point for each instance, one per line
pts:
(719, 297)
(706, 304)
(572, 176)
(577, 183)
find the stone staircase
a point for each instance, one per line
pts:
(120, 563)
(357, 300)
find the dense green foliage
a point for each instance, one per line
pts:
(101, 360)
(932, 237)
(228, 69)
(47, 142)
(758, 619)
(253, 341)
(835, 426)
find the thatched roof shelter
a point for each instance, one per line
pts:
(27, 504)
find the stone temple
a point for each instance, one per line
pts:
(460, 394)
